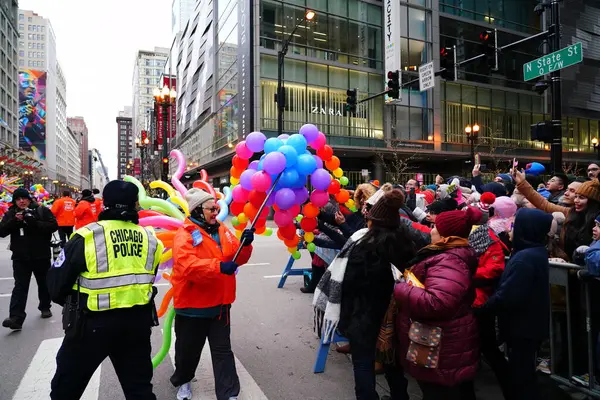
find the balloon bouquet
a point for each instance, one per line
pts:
(8, 184)
(40, 194)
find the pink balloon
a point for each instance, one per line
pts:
(319, 142)
(175, 179)
(319, 198)
(261, 181)
(168, 223)
(283, 217)
(240, 195)
(243, 151)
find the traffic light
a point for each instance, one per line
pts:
(393, 84)
(542, 131)
(448, 63)
(351, 100)
(488, 40)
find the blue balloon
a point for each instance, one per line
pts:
(298, 142)
(289, 178)
(306, 164)
(272, 144)
(301, 182)
(291, 156)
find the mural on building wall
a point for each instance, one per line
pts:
(32, 112)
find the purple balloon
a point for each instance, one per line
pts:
(274, 163)
(254, 165)
(320, 179)
(255, 141)
(301, 195)
(310, 132)
(317, 159)
(246, 179)
(270, 201)
(285, 198)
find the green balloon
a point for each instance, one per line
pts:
(268, 232)
(296, 255)
(166, 344)
(343, 181)
(299, 218)
(311, 247)
(235, 221)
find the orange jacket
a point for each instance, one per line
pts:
(99, 203)
(64, 211)
(197, 279)
(85, 213)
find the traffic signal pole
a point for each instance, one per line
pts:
(556, 145)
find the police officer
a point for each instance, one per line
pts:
(103, 279)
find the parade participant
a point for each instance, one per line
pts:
(85, 211)
(204, 285)
(30, 227)
(64, 211)
(99, 204)
(103, 279)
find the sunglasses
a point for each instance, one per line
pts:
(212, 209)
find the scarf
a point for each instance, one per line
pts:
(327, 299)
(480, 239)
(201, 222)
(499, 225)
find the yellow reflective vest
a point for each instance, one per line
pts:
(121, 259)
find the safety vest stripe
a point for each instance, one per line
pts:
(152, 246)
(116, 281)
(100, 244)
(103, 301)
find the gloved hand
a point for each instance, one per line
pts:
(29, 216)
(228, 267)
(579, 255)
(247, 237)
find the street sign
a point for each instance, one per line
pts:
(560, 59)
(426, 76)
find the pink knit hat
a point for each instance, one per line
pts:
(504, 207)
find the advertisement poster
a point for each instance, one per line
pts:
(32, 112)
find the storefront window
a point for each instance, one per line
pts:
(338, 78)
(417, 28)
(338, 8)
(317, 4)
(317, 74)
(294, 70)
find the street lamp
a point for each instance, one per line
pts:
(596, 147)
(165, 98)
(472, 133)
(142, 145)
(309, 15)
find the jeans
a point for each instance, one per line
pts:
(22, 271)
(462, 391)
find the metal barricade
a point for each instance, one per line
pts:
(559, 277)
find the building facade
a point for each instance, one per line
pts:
(125, 142)
(227, 78)
(73, 160)
(79, 127)
(9, 94)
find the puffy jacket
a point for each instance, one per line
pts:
(197, 279)
(446, 303)
(85, 213)
(64, 211)
(29, 240)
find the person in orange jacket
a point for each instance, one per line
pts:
(99, 202)
(85, 212)
(203, 280)
(64, 211)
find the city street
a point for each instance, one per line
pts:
(272, 338)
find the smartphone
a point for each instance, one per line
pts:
(477, 159)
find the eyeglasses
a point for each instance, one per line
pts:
(212, 209)
(593, 169)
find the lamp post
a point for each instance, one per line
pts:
(472, 133)
(280, 96)
(165, 98)
(142, 144)
(596, 147)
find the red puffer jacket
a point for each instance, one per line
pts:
(446, 303)
(491, 262)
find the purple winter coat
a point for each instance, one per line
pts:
(445, 302)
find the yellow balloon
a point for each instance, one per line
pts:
(242, 218)
(181, 203)
(338, 173)
(166, 256)
(234, 181)
(238, 234)
(292, 250)
(164, 186)
(309, 237)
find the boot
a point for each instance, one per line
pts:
(345, 349)
(13, 324)
(317, 274)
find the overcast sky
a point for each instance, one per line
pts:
(96, 44)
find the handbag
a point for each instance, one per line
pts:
(424, 347)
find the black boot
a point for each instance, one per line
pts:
(317, 274)
(13, 324)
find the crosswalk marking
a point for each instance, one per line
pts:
(204, 386)
(35, 384)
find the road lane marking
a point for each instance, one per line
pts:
(35, 384)
(6, 279)
(272, 276)
(255, 264)
(5, 294)
(203, 388)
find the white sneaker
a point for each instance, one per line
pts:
(185, 392)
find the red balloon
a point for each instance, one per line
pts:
(292, 242)
(260, 223)
(288, 231)
(308, 224)
(250, 211)
(260, 230)
(325, 152)
(241, 226)
(149, 213)
(294, 210)
(343, 196)
(310, 210)
(239, 163)
(334, 186)
(236, 208)
(257, 198)
(264, 213)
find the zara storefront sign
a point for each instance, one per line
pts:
(325, 111)
(392, 37)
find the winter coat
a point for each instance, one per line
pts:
(30, 238)
(592, 258)
(85, 212)
(197, 279)
(446, 303)
(491, 252)
(522, 300)
(538, 201)
(64, 211)
(556, 197)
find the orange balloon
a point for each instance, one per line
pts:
(166, 236)
(250, 211)
(260, 230)
(292, 242)
(333, 164)
(310, 210)
(164, 306)
(241, 226)
(343, 196)
(234, 172)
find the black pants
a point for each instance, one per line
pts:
(22, 271)
(363, 363)
(522, 369)
(191, 335)
(121, 335)
(462, 391)
(490, 351)
(64, 232)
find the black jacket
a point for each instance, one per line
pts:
(63, 274)
(29, 239)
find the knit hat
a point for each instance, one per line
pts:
(386, 211)
(120, 194)
(494, 187)
(429, 196)
(457, 223)
(483, 205)
(504, 207)
(589, 189)
(387, 187)
(505, 178)
(86, 193)
(196, 197)
(21, 193)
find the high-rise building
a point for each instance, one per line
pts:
(9, 104)
(149, 66)
(79, 127)
(125, 141)
(73, 159)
